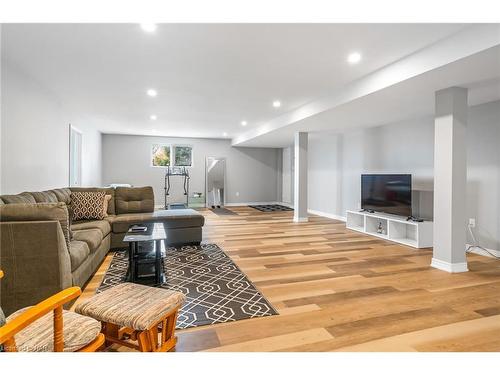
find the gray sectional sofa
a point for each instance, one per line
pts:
(42, 252)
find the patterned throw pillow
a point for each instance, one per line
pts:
(87, 205)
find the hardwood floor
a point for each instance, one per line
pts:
(340, 290)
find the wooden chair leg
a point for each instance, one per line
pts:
(144, 342)
(110, 330)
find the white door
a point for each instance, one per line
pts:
(75, 157)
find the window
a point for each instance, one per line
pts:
(183, 156)
(161, 155)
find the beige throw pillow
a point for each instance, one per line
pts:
(88, 205)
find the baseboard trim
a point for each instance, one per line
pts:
(477, 251)
(328, 215)
(449, 267)
(301, 219)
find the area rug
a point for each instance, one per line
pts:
(221, 211)
(271, 207)
(216, 290)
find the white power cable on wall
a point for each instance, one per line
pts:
(475, 245)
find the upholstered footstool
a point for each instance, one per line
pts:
(133, 312)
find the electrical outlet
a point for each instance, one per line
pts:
(237, 193)
(472, 222)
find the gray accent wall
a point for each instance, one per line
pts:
(251, 173)
(336, 161)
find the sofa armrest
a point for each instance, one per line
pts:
(35, 260)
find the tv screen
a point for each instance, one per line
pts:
(389, 193)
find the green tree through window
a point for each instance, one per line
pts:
(183, 156)
(161, 155)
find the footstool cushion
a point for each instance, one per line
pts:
(78, 331)
(131, 305)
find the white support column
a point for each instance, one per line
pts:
(300, 178)
(450, 179)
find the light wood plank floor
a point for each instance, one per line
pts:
(337, 290)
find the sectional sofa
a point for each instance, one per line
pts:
(43, 252)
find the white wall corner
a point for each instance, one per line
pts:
(449, 267)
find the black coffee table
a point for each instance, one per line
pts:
(145, 254)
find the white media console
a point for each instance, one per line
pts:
(394, 228)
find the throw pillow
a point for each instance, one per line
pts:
(106, 204)
(87, 205)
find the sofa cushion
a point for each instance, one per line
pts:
(107, 191)
(78, 331)
(44, 196)
(103, 225)
(38, 212)
(18, 198)
(87, 205)
(93, 237)
(171, 219)
(134, 200)
(78, 252)
(63, 195)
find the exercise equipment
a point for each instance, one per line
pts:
(181, 172)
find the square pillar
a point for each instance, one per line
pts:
(300, 178)
(450, 180)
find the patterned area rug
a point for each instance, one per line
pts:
(271, 207)
(216, 290)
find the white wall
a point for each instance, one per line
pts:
(483, 172)
(35, 137)
(251, 173)
(336, 162)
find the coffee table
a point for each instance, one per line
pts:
(145, 251)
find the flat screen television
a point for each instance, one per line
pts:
(389, 193)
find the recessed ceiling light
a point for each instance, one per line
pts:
(224, 134)
(152, 92)
(149, 27)
(354, 58)
(244, 123)
(153, 117)
(276, 104)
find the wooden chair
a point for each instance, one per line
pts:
(29, 322)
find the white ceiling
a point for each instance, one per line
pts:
(409, 99)
(209, 77)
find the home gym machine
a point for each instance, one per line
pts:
(176, 171)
